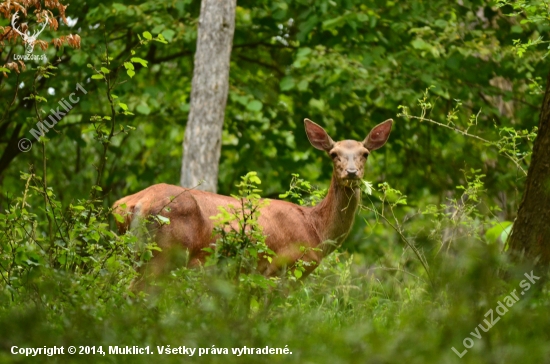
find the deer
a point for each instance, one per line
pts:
(288, 227)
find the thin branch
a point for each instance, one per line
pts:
(264, 44)
(267, 65)
(407, 242)
(399, 270)
(465, 133)
(6, 113)
(170, 57)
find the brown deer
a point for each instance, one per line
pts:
(287, 226)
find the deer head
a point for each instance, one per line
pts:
(348, 156)
(28, 38)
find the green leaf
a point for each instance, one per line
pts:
(157, 29)
(440, 23)
(143, 109)
(367, 187)
(493, 234)
(362, 17)
(516, 29)
(131, 73)
(62, 259)
(287, 83)
(297, 273)
(334, 23)
(119, 7)
(118, 217)
(506, 233)
(147, 255)
(255, 179)
(303, 85)
(139, 60)
(168, 34)
(254, 105)
(147, 35)
(318, 104)
(97, 77)
(105, 70)
(163, 220)
(419, 43)
(160, 39)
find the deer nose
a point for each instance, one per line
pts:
(352, 172)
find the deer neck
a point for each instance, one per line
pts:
(333, 217)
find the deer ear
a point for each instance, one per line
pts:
(378, 136)
(317, 136)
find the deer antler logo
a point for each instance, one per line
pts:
(28, 38)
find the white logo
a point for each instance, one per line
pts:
(28, 38)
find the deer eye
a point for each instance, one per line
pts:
(365, 155)
(333, 155)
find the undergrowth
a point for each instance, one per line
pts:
(65, 282)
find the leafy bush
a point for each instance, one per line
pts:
(71, 288)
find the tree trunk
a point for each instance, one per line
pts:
(202, 142)
(531, 233)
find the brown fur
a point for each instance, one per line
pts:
(287, 226)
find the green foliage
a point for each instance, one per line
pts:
(299, 187)
(346, 65)
(464, 81)
(241, 243)
(70, 245)
(512, 143)
(74, 283)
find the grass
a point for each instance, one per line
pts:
(374, 306)
(343, 313)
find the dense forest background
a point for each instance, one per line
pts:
(428, 255)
